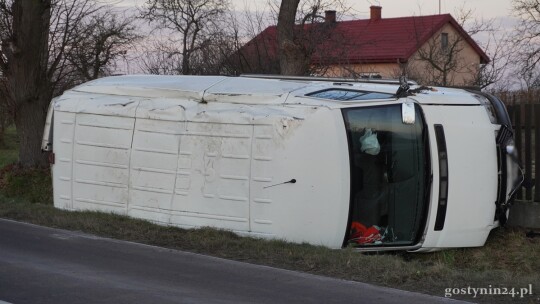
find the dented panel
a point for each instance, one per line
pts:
(212, 176)
(255, 156)
(153, 160)
(101, 152)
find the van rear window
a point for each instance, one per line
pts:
(349, 95)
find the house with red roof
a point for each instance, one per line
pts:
(434, 50)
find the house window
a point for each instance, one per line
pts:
(444, 41)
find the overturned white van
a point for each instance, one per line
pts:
(378, 166)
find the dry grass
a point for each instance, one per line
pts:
(509, 259)
(9, 151)
(30, 184)
(33, 185)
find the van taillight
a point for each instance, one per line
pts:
(51, 158)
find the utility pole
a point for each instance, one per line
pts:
(439, 7)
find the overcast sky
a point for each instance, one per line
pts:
(400, 8)
(397, 8)
(501, 10)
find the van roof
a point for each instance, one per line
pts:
(251, 90)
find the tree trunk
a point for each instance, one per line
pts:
(292, 58)
(29, 87)
(185, 64)
(30, 121)
(2, 130)
(445, 78)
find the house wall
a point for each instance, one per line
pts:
(464, 68)
(466, 64)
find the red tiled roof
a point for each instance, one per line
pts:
(375, 41)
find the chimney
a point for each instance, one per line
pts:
(375, 13)
(330, 16)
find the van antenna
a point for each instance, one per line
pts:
(292, 181)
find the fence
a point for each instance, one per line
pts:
(525, 116)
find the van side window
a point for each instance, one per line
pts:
(349, 95)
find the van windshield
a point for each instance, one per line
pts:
(389, 171)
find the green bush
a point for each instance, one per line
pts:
(9, 148)
(30, 184)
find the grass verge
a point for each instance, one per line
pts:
(509, 259)
(33, 185)
(9, 151)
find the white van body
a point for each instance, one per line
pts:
(273, 158)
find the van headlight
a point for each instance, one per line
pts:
(510, 149)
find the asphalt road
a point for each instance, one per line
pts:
(44, 265)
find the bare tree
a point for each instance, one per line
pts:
(163, 58)
(298, 42)
(65, 17)
(253, 50)
(5, 118)
(219, 50)
(526, 41)
(222, 46)
(499, 51)
(213, 57)
(528, 31)
(292, 60)
(36, 39)
(442, 55)
(100, 41)
(496, 44)
(191, 20)
(443, 60)
(218, 46)
(24, 64)
(160, 58)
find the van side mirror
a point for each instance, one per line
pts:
(408, 114)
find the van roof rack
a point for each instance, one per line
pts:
(330, 79)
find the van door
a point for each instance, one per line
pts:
(390, 176)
